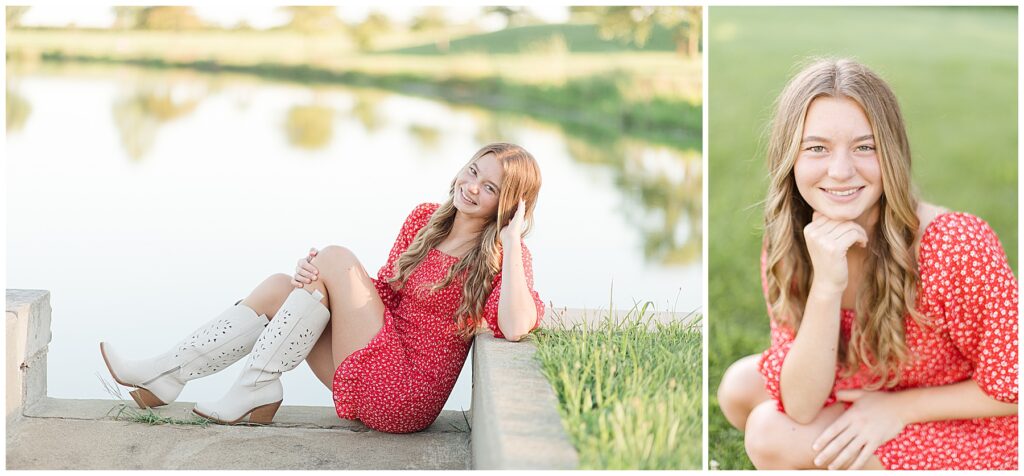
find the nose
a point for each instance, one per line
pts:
(473, 187)
(840, 166)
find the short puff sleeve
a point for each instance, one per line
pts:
(416, 220)
(980, 302)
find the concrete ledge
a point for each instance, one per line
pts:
(28, 335)
(516, 424)
(82, 434)
(52, 433)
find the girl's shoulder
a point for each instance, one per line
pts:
(951, 236)
(420, 215)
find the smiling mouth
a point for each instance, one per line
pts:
(464, 197)
(842, 192)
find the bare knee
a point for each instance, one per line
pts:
(268, 296)
(766, 446)
(741, 389)
(336, 255)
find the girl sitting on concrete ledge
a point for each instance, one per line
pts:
(390, 349)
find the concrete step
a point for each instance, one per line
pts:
(83, 434)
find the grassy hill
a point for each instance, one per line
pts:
(576, 38)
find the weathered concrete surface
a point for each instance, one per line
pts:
(28, 335)
(51, 433)
(79, 434)
(516, 424)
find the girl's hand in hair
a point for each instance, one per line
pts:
(873, 419)
(827, 242)
(305, 272)
(513, 232)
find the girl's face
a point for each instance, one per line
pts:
(837, 169)
(478, 186)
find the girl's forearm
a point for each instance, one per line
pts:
(961, 400)
(516, 311)
(809, 371)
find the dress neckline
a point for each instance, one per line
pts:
(445, 254)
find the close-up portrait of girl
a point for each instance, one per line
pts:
(893, 320)
(388, 348)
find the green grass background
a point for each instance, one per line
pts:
(954, 70)
(629, 392)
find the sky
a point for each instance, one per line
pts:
(260, 15)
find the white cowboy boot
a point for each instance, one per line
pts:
(209, 349)
(282, 346)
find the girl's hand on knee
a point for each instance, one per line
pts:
(873, 419)
(305, 272)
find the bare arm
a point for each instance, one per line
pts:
(809, 370)
(516, 311)
(956, 401)
(876, 417)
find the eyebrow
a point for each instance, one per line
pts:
(822, 139)
(496, 187)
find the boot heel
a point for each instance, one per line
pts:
(264, 415)
(145, 399)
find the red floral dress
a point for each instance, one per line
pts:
(400, 381)
(968, 291)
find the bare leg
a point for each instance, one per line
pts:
(267, 298)
(357, 313)
(741, 389)
(774, 441)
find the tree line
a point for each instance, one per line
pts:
(629, 24)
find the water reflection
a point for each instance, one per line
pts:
(612, 207)
(18, 110)
(139, 113)
(365, 109)
(310, 126)
(661, 184)
(429, 138)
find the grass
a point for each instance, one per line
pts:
(576, 38)
(629, 392)
(954, 70)
(126, 411)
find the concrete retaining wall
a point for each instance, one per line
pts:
(27, 338)
(515, 419)
(515, 422)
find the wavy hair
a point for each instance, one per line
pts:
(877, 340)
(520, 181)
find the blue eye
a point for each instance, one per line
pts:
(816, 149)
(866, 148)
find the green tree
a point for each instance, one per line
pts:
(635, 23)
(430, 18)
(14, 15)
(314, 19)
(169, 18)
(514, 16)
(364, 33)
(127, 18)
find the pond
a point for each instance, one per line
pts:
(147, 201)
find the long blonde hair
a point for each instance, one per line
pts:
(520, 181)
(877, 339)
